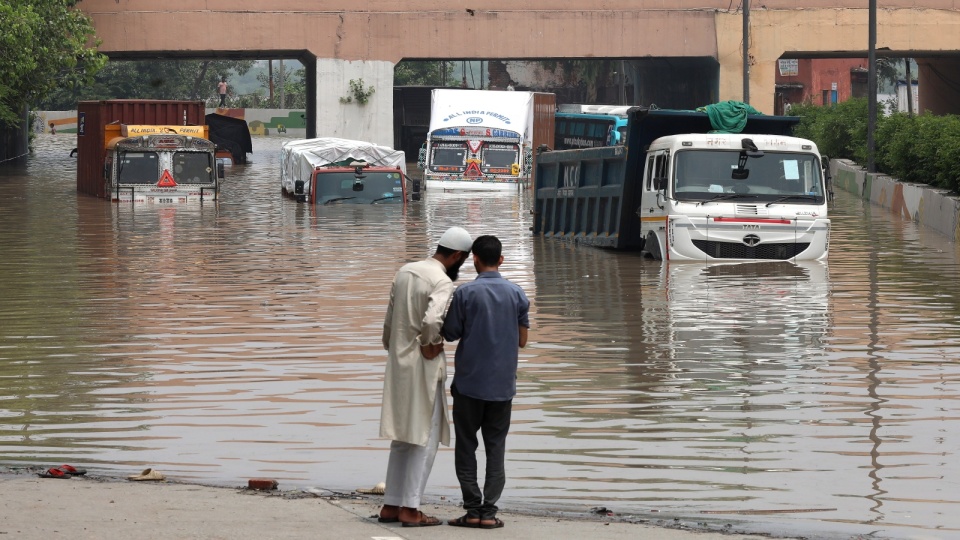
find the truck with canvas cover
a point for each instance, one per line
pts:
(682, 189)
(484, 139)
(330, 170)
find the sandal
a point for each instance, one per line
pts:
(70, 469)
(464, 521)
(495, 525)
(54, 473)
(423, 521)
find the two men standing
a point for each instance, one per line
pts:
(490, 318)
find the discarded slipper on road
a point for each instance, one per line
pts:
(70, 469)
(147, 474)
(378, 489)
(54, 473)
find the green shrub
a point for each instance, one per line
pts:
(923, 149)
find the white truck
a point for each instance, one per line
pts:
(484, 139)
(680, 191)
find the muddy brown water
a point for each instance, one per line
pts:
(242, 339)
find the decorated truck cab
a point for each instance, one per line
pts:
(161, 164)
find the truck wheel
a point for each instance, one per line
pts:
(652, 246)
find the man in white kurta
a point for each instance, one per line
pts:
(414, 413)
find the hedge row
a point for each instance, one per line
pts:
(922, 149)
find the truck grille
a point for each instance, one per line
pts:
(737, 250)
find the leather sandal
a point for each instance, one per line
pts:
(423, 521)
(464, 521)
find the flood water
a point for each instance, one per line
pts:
(242, 339)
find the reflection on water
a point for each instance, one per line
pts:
(240, 339)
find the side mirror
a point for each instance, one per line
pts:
(220, 173)
(298, 187)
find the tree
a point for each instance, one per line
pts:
(45, 46)
(294, 90)
(422, 73)
(143, 79)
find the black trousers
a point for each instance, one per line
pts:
(492, 420)
(223, 100)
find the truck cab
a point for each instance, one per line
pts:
(733, 196)
(359, 183)
(161, 164)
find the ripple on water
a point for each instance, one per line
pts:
(242, 339)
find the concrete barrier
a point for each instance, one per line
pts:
(935, 208)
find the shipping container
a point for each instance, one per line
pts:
(94, 116)
(544, 125)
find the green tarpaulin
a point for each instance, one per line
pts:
(728, 116)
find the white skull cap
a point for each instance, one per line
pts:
(456, 238)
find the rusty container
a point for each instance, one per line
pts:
(94, 116)
(544, 122)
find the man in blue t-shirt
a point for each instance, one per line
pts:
(490, 318)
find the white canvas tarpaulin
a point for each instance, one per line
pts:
(495, 109)
(299, 158)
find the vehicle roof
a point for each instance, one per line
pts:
(338, 168)
(733, 141)
(646, 125)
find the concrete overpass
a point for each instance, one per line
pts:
(340, 40)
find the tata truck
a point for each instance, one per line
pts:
(681, 191)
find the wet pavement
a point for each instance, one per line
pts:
(241, 339)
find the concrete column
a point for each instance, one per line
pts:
(371, 121)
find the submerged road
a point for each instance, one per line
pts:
(242, 339)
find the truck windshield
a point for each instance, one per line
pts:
(138, 168)
(448, 157)
(701, 175)
(500, 156)
(376, 187)
(193, 168)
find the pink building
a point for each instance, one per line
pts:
(822, 81)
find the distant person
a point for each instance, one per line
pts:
(53, 129)
(490, 317)
(222, 90)
(414, 411)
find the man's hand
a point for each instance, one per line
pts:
(430, 352)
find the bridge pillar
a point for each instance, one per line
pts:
(340, 107)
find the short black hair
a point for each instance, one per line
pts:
(488, 248)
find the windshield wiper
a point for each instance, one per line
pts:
(786, 197)
(726, 196)
(335, 199)
(383, 198)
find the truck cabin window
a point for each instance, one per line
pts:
(701, 175)
(138, 168)
(192, 168)
(449, 157)
(500, 155)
